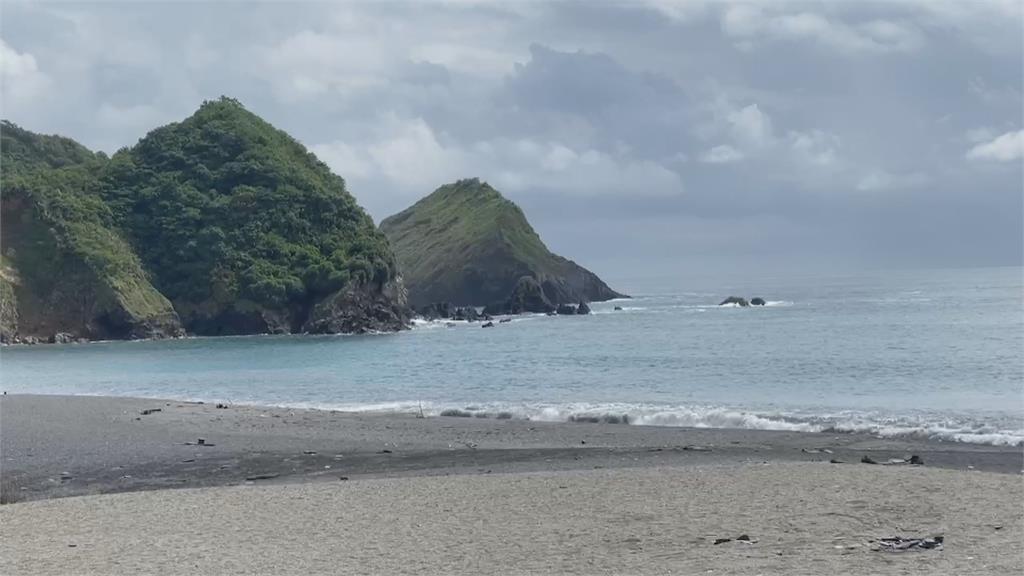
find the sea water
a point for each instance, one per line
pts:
(934, 354)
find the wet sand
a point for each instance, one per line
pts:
(305, 491)
(54, 446)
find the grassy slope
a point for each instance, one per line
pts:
(66, 263)
(468, 244)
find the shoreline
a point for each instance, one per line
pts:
(121, 485)
(57, 446)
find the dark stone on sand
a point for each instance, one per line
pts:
(916, 460)
(735, 300)
(618, 308)
(743, 538)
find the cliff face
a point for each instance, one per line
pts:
(64, 269)
(220, 220)
(465, 243)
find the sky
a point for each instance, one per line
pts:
(642, 137)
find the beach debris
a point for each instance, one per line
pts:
(997, 527)
(72, 545)
(722, 541)
(810, 450)
(187, 460)
(309, 452)
(261, 477)
(867, 460)
(222, 406)
(826, 450)
(384, 451)
(149, 411)
(199, 442)
(692, 448)
(914, 460)
(836, 461)
(900, 544)
(342, 477)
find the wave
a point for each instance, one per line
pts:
(941, 427)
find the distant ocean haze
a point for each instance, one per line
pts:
(928, 353)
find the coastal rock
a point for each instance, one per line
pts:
(468, 244)
(488, 325)
(437, 310)
(361, 308)
(566, 310)
(618, 308)
(61, 338)
(735, 300)
(466, 313)
(583, 308)
(528, 296)
(757, 301)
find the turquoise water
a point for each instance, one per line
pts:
(932, 353)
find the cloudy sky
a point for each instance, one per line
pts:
(640, 137)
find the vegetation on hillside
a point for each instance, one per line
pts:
(466, 243)
(232, 220)
(223, 206)
(57, 228)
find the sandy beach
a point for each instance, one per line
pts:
(275, 490)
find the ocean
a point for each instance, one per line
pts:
(925, 353)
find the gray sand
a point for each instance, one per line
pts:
(806, 518)
(67, 445)
(472, 496)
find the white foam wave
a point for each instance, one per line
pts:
(932, 427)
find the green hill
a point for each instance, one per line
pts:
(227, 219)
(467, 244)
(65, 268)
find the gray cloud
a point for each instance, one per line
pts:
(644, 135)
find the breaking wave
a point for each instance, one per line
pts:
(1001, 431)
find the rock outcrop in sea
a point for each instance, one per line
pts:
(467, 244)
